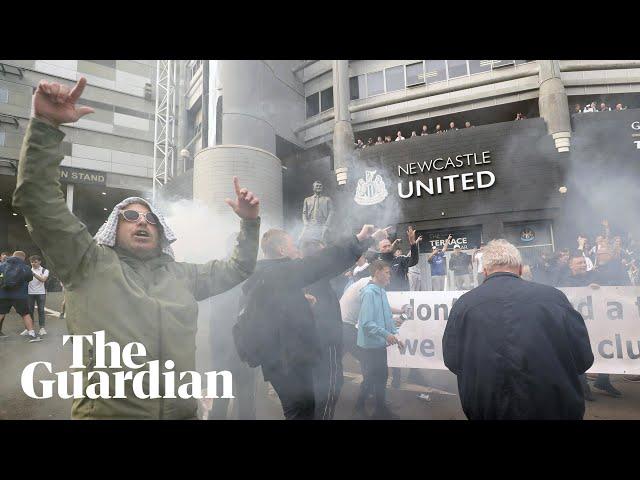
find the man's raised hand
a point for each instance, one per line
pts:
(246, 205)
(411, 234)
(56, 104)
(370, 231)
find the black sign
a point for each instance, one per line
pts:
(76, 175)
(467, 238)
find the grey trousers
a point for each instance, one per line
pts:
(415, 282)
(437, 283)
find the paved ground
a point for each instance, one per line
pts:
(443, 402)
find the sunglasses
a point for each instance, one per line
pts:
(133, 216)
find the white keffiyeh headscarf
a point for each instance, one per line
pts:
(107, 233)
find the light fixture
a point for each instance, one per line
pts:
(15, 214)
(105, 209)
(563, 189)
(104, 193)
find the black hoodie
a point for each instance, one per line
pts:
(399, 268)
(288, 311)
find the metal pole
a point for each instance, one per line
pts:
(155, 133)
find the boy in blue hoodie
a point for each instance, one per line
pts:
(376, 331)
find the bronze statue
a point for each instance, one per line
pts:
(317, 213)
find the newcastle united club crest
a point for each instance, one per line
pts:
(370, 190)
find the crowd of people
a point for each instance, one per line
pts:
(399, 135)
(23, 288)
(380, 140)
(595, 107)
(439, 128)
(518, 348)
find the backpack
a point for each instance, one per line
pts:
(254, 334)
(10, 275)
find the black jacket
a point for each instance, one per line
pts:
(612, 274)
(288, 312)
(459, 263)
(399, 268)
(517, 348)
(326, 314)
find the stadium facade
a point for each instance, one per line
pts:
(280, 125)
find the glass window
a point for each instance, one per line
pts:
(4, 95)
(457, 68)
(435, 71)
(2, 138)
(326, 99)
(477, 66)
(395, 78)
(356, 87)
(519, 62)
(415, 74)
(502, 63)
(194, 67)
(313, 105)
(375, 83)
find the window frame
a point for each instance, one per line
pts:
(320, 98)
(384, 83)
(466, 62)
(446, 72)
(404, 87)
(423, 82)
(307, 116)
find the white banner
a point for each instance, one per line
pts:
(611, 314)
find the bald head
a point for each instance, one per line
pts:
(384, 246)
(20, 254)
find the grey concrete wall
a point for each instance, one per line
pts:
(117, 138)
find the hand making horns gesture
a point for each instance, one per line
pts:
(55, 103)
(246, 205)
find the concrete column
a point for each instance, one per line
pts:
(342, 131)
(70, 196)
(245, 86)
(554, 107)
(248, 145)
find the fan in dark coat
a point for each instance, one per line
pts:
(517, 347)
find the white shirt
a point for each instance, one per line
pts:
(588, 109)
(350, 301)
(588, 262)
(479, 261)
(399, 138)
(36, 287)
(357, 269)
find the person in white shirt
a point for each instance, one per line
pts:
(37, 291)
(590, 108)
(399, 136)
(478, 259)
(350, 308)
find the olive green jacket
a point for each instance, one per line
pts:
(151, 301)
